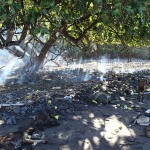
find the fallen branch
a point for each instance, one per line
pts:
(34, 142)
(142, 93)
(7, 105)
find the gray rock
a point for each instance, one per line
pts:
(24, 110)
(114, 102)
(14, 120)
(11, 121)
(17, 110)
(6, 116)
(101, 97)
(68, 98)
(23, 113)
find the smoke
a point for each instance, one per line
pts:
(8, 64)
(83, 69)
(103, 64)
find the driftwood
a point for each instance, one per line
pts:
(7, 105)
(145, 93)
(34, 141)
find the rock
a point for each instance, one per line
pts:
(143, 120)
(23, 113)
(12, 121)
(17, 110)
(68, 98)
(114, 102)
(147, 111)
(101, 97)
(24, 110)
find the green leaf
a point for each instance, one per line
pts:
(98, 1)
(28, 97)
(49, 101)
(116, 12)
(128, 9)
(12, 10)
(70, 28)
(94, 102)
(44, 11)
(91, 4)
(10, 2)
(90, 18)
(55, 107)
(3, 17)
(56, 117)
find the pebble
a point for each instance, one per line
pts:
(12, 121)
(17, 110)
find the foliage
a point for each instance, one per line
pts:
(79, 22)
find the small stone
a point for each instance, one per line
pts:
(101, 97)
(11, 120)
(24, 110)
(68, 98)
(23, 113)
(14, 120)
(17, 110)
(113, 102)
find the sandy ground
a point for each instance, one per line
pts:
(97, 128)
(92, 127)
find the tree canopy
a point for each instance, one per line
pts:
(103, 21)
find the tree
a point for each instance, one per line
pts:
(44, 21)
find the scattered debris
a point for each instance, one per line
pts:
(141, 120)
(49, 102)
(7, 105)
(68, 98)
(12, 121)
(147, 111)
(147, 131)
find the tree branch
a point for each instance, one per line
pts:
(82, 35)
(24, 32)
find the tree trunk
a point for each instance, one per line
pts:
(40, 58)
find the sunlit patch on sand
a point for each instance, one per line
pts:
(96, 140)
(97, 123)
(87, 145)
(115, 130)
(1, 122)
